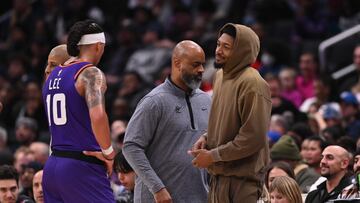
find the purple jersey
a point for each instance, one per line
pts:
(67, 111)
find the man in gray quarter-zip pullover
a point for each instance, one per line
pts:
(166, 123)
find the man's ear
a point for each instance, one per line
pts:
(344, 163)
(98, 46)
(177, 63)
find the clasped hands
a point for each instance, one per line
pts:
(202, 156)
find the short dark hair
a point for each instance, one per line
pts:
(121, 164)
(230, 30)
(9, 172)
(77, 31)
(322, 143)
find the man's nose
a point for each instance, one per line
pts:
(218, 50)
(8, 194)
(201, 69)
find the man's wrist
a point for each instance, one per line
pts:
(107, 151)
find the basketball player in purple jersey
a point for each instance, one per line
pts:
(74, 98)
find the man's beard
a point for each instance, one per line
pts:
(218, 65)
(192, 81)
(326, 174)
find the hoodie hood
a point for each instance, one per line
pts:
(245, 50)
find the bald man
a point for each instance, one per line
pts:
(57, 56)
(37, 187)
(333, 166)
(166, 123)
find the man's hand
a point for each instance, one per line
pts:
(162, 196)
(203, 158)
(108, 163)
(200, 143)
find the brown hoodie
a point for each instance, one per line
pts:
(240, 112)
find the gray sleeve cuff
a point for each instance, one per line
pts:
(156, 188)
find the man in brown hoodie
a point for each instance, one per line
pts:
(235, 150)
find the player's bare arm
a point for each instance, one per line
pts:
(92, 81)
(92, 85)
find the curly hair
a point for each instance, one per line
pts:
(77, 31)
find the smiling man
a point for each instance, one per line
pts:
(333, 166)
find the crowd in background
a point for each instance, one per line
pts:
(308, 105)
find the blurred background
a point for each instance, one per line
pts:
(310, 56)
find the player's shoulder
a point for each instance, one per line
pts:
(90, 71)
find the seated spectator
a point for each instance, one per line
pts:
(26, 178)
(9, 186)
(313, 155)
(331, 114)
(126, 176)
(350, 111)
(22, 156)
(304, 150)
(40, 151)
(289, 90)
(285, 190)
(334, 167)
(286, 150)
(308, 72)
(278, 124)
(327, 115)
(37, 187)
(277, 169)
(26, 131)
(280, 105)
(322, 88)
(278, 127)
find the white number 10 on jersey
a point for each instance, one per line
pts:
(57, 100)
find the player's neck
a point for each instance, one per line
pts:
(87, 57)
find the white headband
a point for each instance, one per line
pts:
(92, 39)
